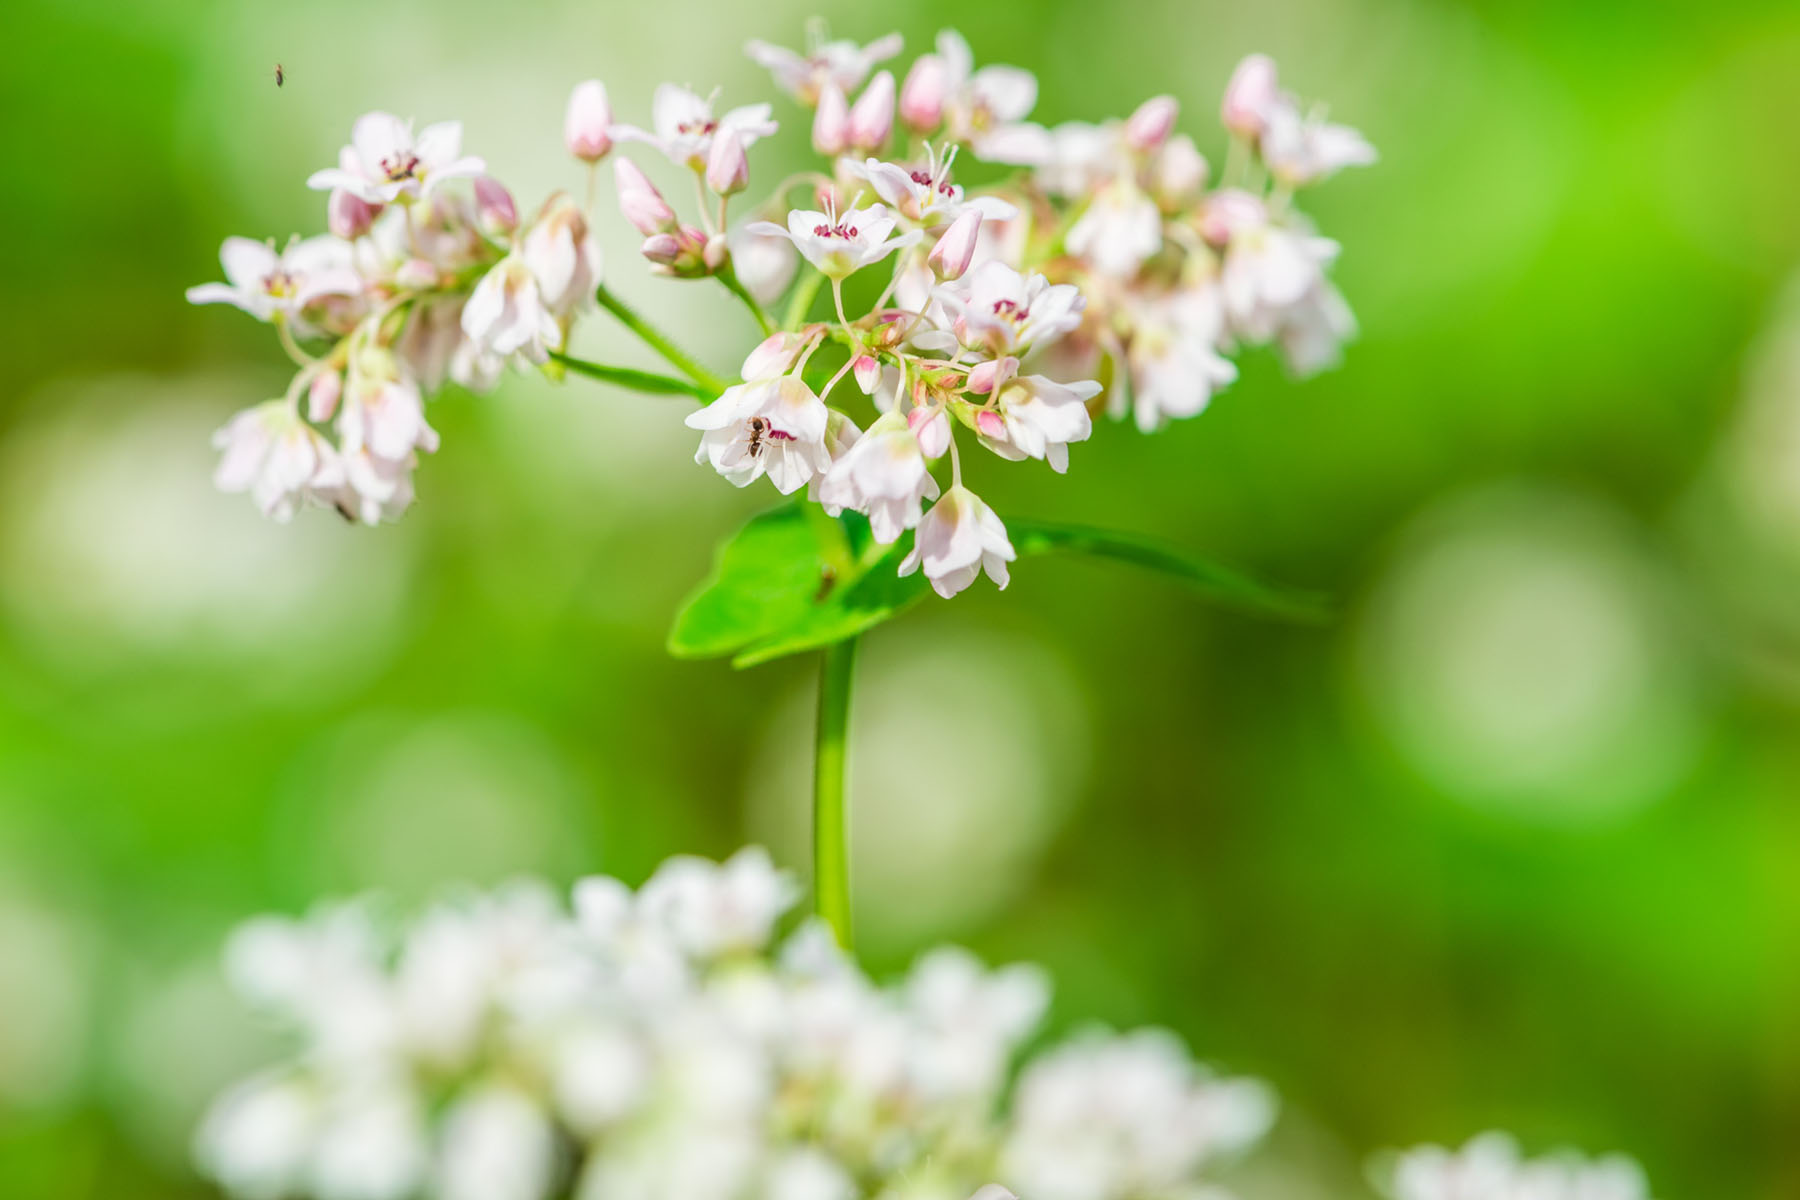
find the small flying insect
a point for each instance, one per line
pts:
(280, 75)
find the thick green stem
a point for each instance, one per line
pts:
(729, 278)
(636, 380)
(801, 302)
(831, 826)
(678, 357)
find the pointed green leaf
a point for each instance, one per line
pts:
(1218, 583)
(764, 581)
(878, 594)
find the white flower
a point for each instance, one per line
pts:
(1121, 229)
(372, 1146)
(1173, 357)
(1268, 268)
(385, 163)
(840, 244)
(711, 909)
(765, 262)
(383, 410)
(925, 194)
(683, 126)
(884, 475)
(1314, 329)
(497, 1145)
(1301, 150)
(774, 427)
(278, 458)
(1037, 417)
(843, 63)
(265, 283)
(258, 1137)
(563, 256)
(999, 311)
(1489, 1167)
(958, 539)
(1107, 1118)
(506, 314)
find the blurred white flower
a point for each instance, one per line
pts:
(1489, 1167)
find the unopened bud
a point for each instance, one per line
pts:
(867, 370)
(1248, 97)
(987, 376)
(988, 423)
(831, 123)
(955, 248)
(639, 200)
(349, 216)
(932, 429)
(717, 252)
(322, 396)
(728, 167)
(872, 117)
(1152, 123)
(1179, 174)
(587, 126)
(494, 207)
(922, 97)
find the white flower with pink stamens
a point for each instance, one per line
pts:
(1036, 417)
(999, 311)
(683, 126)
(925, 194)
(266, 283)
(385, 162)
(774, 427)
(1173, 358)
(983, 109)
(840, 244)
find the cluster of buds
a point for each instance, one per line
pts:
(1103, 256)
(416, 283)
(667, 1043)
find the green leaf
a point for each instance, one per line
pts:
(794, 579)
(1218, 583)
(765, 581)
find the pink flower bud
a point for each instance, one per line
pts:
(1150, 126)
(872, 117)
(922, 97)
(728, 167)
(772, 356)
(955, 248)
(986, 377)
(639, 200)
(661, 248)
(349, 216)
(989, 424)
(1178, 174)
(322, 396)
(932, 429)
(867, 370)
(415, 275)
(1248, 97)
(494, 207)
(831, 123)
(587, 127)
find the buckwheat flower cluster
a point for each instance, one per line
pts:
(669, 1043)
(1100, 271)
(428, 274)
(1490, 1167)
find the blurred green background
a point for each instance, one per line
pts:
(1512, 843)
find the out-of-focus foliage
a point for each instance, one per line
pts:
(1509, 843)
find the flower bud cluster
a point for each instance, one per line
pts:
(667, 1043)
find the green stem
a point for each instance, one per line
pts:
(678, 357)
(831, 826)
(636, 380)
(729, 278)
(801, 302)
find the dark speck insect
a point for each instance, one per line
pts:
(759, 429)
(280, 75)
